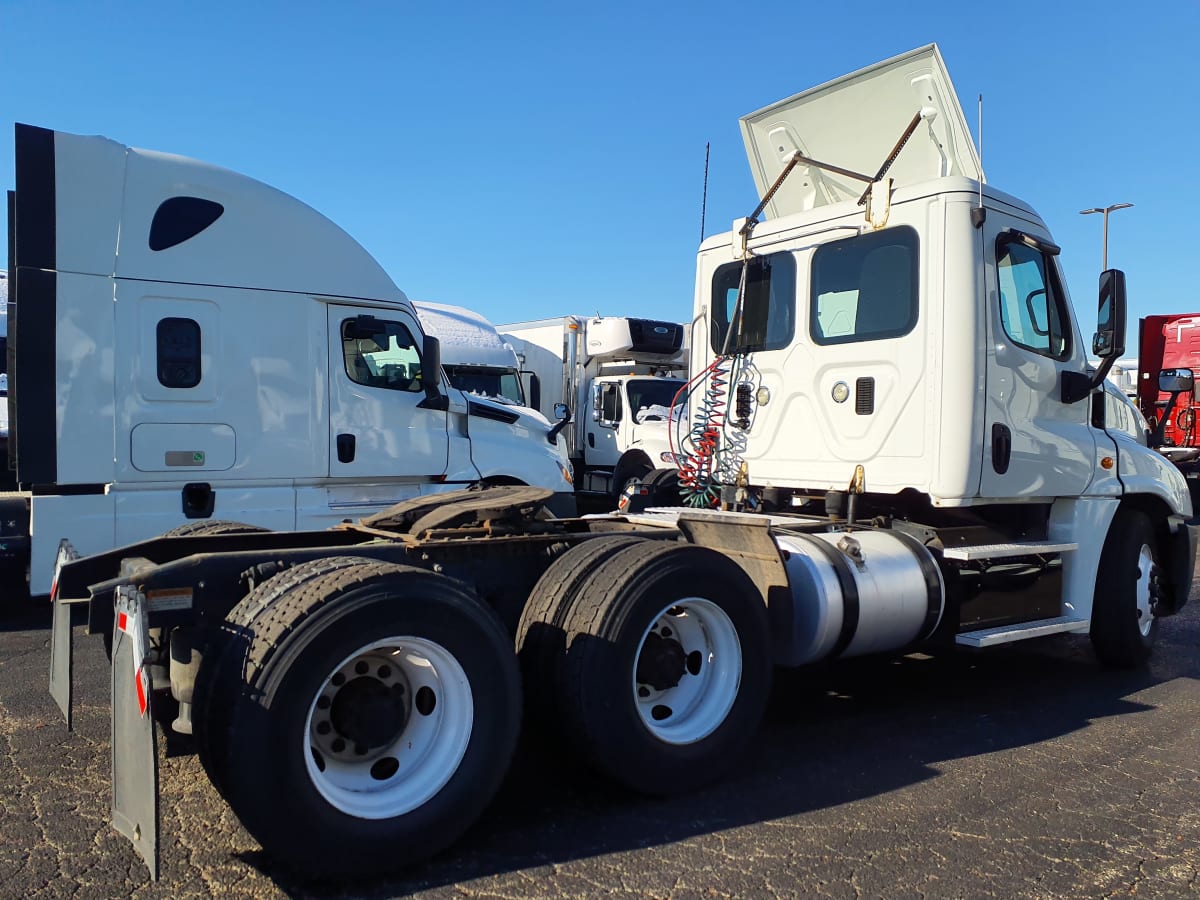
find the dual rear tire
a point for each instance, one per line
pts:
(370, 714)
(654, 664)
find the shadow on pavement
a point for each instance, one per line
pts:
(23, 614)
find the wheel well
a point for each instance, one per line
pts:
(630, 462)
(1172, 553)
(498, 480)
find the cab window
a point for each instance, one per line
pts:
(864, 288)
(768, 309)
(1031, 300)
(381, 354)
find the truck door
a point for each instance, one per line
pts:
(1034, 445)
(604, 424)
(379, 424)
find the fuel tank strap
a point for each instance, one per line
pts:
(846, 582)
(933, 581)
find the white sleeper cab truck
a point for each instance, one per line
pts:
(620, 378)
(190, 346)
(475, 359)
(898, 445)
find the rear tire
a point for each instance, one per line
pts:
(327, 769)
(1124, 625)
(540, 640)
(211, 526)
(225, 659)
(668, 667)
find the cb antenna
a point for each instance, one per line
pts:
(704, 193)
(979, 214)
(981, 149)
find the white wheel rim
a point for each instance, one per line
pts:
(711, 672)
(412, 751)
(1145, 612)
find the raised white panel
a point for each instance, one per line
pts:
(89, 177)
(87, 521)
(84, 404)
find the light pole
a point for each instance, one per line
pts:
(1106, 210)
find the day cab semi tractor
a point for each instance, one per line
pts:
(189, 346)
(903, 445)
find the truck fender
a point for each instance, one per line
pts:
(1180, 548)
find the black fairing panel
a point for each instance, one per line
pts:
(32, 310)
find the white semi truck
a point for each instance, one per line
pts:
(189, 346)
(475, 359)
(894, 411)
(620, 377)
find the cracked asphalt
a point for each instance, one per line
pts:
(1022, 771)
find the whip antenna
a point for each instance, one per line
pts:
(704, 193)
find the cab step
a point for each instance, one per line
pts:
(1015, 548)
(1006, 634)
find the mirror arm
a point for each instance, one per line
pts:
(1074, 386)
(1160, 430)
(552, 434)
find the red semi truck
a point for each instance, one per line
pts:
(1169, 342)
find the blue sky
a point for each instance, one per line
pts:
(536, 159)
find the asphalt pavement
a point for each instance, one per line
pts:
(1021, 771)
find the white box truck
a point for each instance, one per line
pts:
(190, 346)
(620, 378)
(898, 420)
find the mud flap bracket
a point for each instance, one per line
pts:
(134, 746)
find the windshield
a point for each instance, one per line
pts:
(652, 397)
(488, 381)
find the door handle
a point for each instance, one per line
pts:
(345, 448)
(1001, 447)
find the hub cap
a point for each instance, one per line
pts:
(687, 672)
(388, 727)
(1144, 590)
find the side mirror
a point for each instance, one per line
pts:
(533, 392)
(1176, 381)
(1109, 340)
(431, 365)
(597, 402)
(561, 411)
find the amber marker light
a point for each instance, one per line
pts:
(1106, 463)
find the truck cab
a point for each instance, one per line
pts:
(190, 344)
(894, 335)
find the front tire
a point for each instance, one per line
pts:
(1124, 624)
(668, 667)
(376, 716)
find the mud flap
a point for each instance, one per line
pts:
(134, 747)
(62, 645)
(62, 657)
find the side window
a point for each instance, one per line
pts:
(177, 344)
(864, 288)
(768, 312)
(610, 402)
(1031, 303)
(381, 354)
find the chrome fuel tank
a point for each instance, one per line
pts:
(858, 592)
